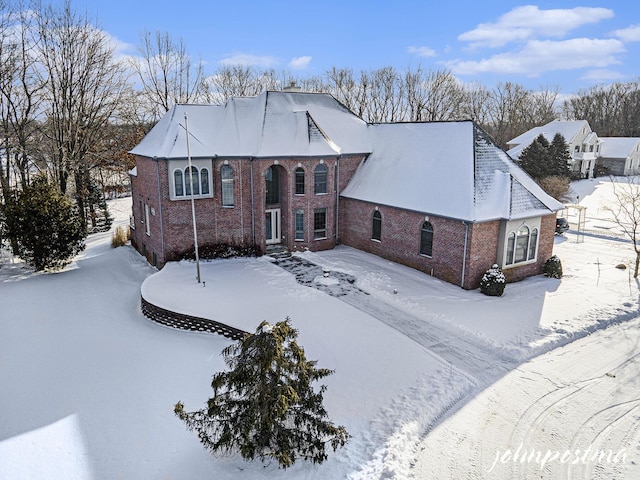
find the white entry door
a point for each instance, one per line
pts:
(272, 226)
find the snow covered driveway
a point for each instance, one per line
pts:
(571, 413)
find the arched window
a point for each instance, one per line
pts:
(522, 244)
(320, 179)
(376, 226)
(191, 180)
(426, 239)
(272, 186)
(226, 177)
(299, 181)
(204, 181)
(178, 183)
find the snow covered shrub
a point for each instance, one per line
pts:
(553, 268)
(493, 282)
(120, 236)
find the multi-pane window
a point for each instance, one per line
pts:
(426, 239)
(319, 223)
(299, 224)
(226, 178)
(184, 180)
(192, 179)
(376, 226)
(521, 245)
(299, 181)
(320, 179)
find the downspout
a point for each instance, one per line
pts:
(464, 254)
(160, 212)
(337, 198)
(253, 205)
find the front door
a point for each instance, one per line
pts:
(272, 226)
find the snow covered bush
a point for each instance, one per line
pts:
(493, 282)
(553, 267)
(265, 405)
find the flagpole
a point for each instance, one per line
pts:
(193, 203)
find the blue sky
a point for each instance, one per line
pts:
(569, 44)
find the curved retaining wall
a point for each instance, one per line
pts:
(188, 322)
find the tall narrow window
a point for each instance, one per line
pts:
(319, 223)
(533, 240)
(204, 181)
(299, 181)
(376, 226)
(191, 179)
(511, 246)
(146, 220)
(272, 186)
(226, 177)
(178, 183)
(299, 224)
(522, 244)
(426, 239)
(320, 179)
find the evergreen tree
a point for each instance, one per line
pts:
(265, 405)
(45, 227)
(535, 159)
(560, 157)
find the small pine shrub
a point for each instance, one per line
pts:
(120, 236)
(493, 282)
(553, 267)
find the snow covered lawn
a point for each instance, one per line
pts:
(89, 384)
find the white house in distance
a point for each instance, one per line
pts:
(583, 143)
(620, 155)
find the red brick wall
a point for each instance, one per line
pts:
(235, 225)
(400, 238)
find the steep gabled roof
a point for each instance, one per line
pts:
(271, 124)
(450, 169)
(618, 147)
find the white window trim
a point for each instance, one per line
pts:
(514, 226)
(182, 165)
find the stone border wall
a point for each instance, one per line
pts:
(188, 322)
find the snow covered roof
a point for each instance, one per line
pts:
(568, 129)
(618, 147)
(270, 124)
(449, 169)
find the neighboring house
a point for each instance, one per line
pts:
(301, 171)
(584, 144)
(620, 155)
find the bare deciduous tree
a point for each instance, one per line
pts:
(84, 86)
(167, 73)
(626, 213)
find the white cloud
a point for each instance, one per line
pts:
(546, 55)
(422, 51)
(249, 59)
(629, 34)
(300, 63)
(523, 23)
(601, 75)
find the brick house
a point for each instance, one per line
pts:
(301, 171)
